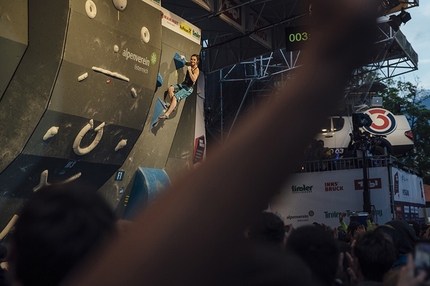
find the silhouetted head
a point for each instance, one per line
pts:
(318, 249)
(376, 254)
(351, 231)
(57, 227)
(268, 229)
(406, 235)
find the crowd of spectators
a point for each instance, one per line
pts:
(353, 254)
(195, 233)
(59, 227)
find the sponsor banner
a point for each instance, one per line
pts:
(374, 183)
(177, 24)
(407, 187)
(263, 37)
(181, 26)
(200, 130)
(199, 149)
(322, 196)
(234, 14)
(406, 211)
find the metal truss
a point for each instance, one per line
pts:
(395, 55)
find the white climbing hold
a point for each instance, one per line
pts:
(120, 5)
(133, 92)
(145, 35)
(121, 144)
(111, 73)
(43, 182)
(90, 9)
(51, 132)
(82, 76)
(76, 144)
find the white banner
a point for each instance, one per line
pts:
(177, 24)
(407, 187)
(321, 196)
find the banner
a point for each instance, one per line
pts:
(234, 14)
(407, 187)
(321, 196)
(264, 36)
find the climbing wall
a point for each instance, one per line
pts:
(165, 144)
(79, 98)
(13, 38)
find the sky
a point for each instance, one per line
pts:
(417, 32)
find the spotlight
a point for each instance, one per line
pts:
(395, 21)
(404, 16)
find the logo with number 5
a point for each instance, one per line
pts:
(383, 121)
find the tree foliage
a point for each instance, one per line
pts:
(406, 98)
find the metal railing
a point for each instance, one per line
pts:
(344, 164)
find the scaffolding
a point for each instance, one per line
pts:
(267, 74)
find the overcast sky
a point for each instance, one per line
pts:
(417, 31)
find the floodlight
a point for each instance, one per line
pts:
(404, 16)
(395, 21)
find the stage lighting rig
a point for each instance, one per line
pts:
(396, 20)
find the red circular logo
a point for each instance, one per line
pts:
(383, 121)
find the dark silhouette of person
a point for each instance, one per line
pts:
(268, 229)
(376, 254)
(319, 249)
(57, 228)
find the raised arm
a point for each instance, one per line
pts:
(184, 237)
(194, 74)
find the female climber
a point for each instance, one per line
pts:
(177, 92)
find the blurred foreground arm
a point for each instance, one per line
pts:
(185, 238)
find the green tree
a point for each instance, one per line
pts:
(406, 98)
